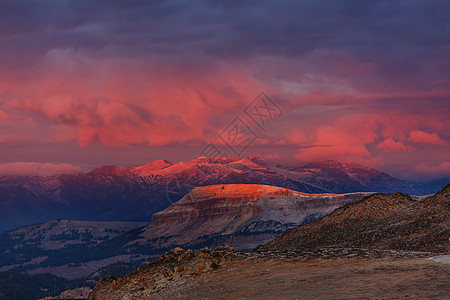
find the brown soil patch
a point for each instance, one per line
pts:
(318, 278)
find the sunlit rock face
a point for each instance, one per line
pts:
(241, 215)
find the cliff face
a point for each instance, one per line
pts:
(215, 201)
(379, 221)
(241, 215)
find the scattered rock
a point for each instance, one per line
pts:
(379, 221)
(78, 293)
(170, 270)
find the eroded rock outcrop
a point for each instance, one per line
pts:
(171, 269)
(240, 215)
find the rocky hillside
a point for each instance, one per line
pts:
(172, 269)
(240, 215)
(70, 249)
(326, 273)
(57, 234)
(111, 193)
(379, 221)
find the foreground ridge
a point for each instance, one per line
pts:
(214, 273)
(381, 221)
(170, 270)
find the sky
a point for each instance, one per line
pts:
(86, 83)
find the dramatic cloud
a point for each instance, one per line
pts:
(391, 145)
(418, 136)
(358, 81)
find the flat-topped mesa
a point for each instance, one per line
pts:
(243, 210)
(247, 192)
(233, 200)
(226, 200)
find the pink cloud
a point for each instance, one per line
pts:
(444, 81)
(346, 153)
(344, 138)
(426, 169)
(39, 169)
(153, 105)
(391, 145)
(418, 136)
(4, 116)
(123, 102)
(353, 136)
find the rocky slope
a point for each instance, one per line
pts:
(112, 193)
(327, 273)
(379, 221)
(172, 269)
(77, 293)
(240, 215)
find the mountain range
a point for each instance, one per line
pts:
(112, 193)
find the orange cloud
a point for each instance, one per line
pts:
(352, 135)
(152, 104)
(419, 136)
(345, 138)
(126, 102)
(391, 145)
(4, 116)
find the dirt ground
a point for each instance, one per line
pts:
(318, 278)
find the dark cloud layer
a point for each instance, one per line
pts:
(163, 72)
(408, 41)
(231, 28)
